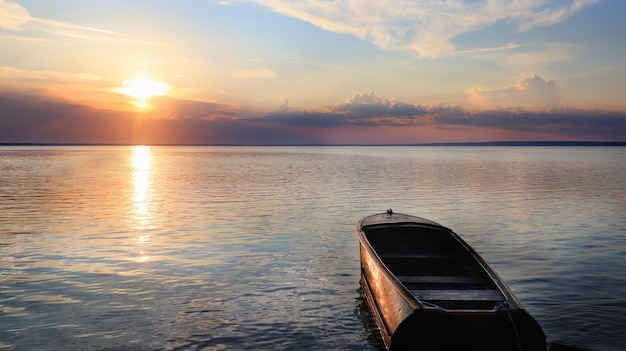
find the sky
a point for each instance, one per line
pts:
(285, 72)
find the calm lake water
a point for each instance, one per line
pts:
(255, 248)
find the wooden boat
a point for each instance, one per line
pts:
(429, 290)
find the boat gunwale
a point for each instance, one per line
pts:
(381, 220)
(406, 294)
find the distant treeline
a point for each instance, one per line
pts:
(533, 143)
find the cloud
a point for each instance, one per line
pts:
(167, 107)
(12, 15)
(372, 105)
(533, 58)
(15, 17)
(79, 87)
(21, 38)
(17, 74)
(423, 26)
(254, 73)
(529, 92)
(372, 110)
(565, 122)
(70, 30)
(28, 118)
(364, 109)
(554, 15)
(363, 118)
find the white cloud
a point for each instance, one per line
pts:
(486, 51)
(67, 29)
(554, 15)
(364, 109)
(12, 15)
(373, 105)
(16, 18)
(424, 26)
(529, 92)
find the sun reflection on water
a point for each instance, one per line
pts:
(141, 161)
(141, 179)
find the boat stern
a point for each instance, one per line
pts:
(430, 330)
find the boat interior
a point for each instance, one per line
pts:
(435, 267)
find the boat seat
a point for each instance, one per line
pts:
(434, 279)
(394, 255)
(458, 295)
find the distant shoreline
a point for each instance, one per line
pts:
(488, 143)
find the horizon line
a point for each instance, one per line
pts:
(476, 143)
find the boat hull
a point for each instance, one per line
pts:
(407, 322)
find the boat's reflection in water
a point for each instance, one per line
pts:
(364, 313)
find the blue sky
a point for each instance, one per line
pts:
(284, 72)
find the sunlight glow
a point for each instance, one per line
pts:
(141, 162)
(143, 90)
(142, 257)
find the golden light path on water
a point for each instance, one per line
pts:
(248, 248)
(141, 178)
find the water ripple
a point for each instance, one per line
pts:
(175, 248)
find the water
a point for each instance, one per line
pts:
(241, 248)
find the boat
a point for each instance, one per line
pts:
(429, 290)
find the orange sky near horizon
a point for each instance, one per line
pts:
(271, 72)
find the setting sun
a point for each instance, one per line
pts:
(143, 89)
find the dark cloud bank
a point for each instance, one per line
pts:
(36, 119)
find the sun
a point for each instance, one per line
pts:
(143, 90)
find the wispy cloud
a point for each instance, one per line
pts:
(69, 30)
(254, 73)
(528, 58)
(15, 17)
(553, 15)
(505, 48)
(12, 15)
(22, 38)
(18, 74)
(424, 26)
